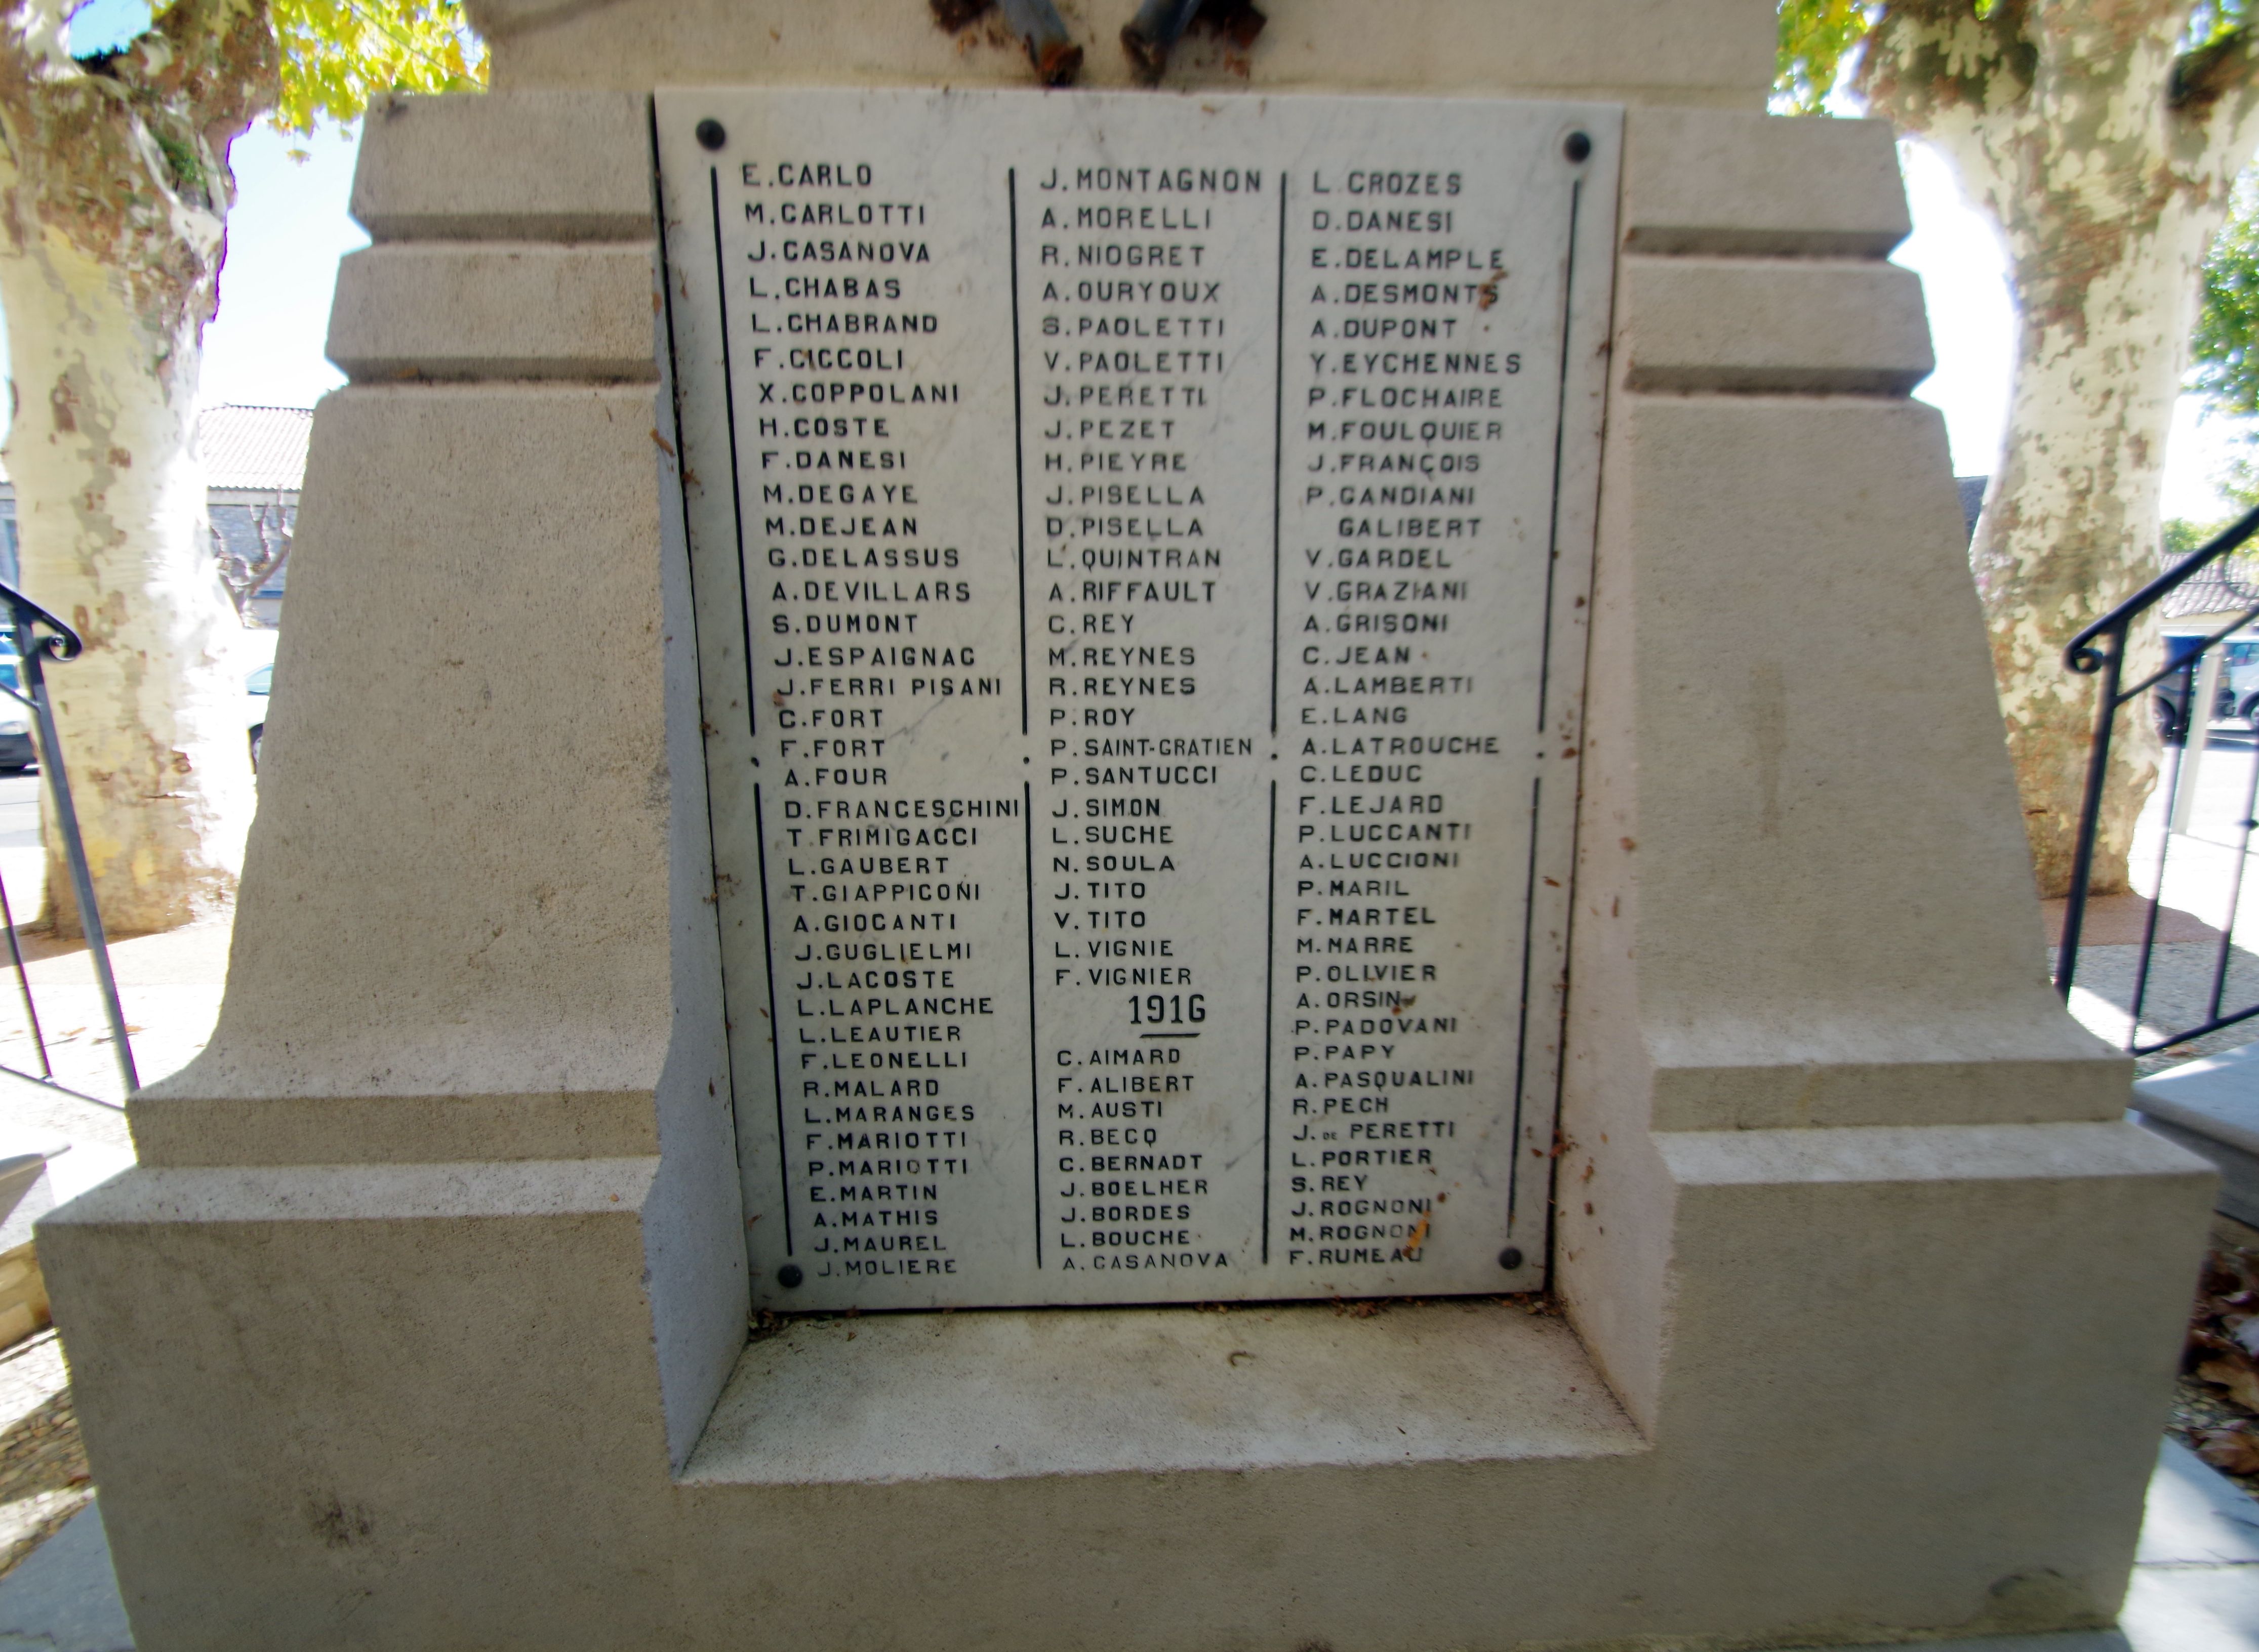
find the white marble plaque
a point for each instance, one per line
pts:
(1141, 546)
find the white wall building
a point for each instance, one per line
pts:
(254, 457)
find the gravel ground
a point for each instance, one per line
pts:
(43, 1473)
(2179, 993)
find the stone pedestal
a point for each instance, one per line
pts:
(423, 1322)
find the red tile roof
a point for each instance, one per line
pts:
(261, 447)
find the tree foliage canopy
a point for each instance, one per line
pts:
(339, 54)
(1815, 37)
(1818, 36)
(2224, 349)
(115, 189)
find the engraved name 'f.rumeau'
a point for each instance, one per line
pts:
(1140, 554)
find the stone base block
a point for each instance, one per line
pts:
(1932, 1411)
(24, 1308)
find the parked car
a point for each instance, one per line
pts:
(2240, 673)
(18, 750)
(2238, 693)
(256, 688)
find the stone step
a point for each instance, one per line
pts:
(2210, 1106)
(2196, 1581)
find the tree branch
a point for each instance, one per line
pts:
(2202, 77)
(237, 75)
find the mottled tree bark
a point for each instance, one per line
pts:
(2104, 150)
(114, 189)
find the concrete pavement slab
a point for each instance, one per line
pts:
(2082, 1641)
(2195, 1517)
(2190, 1609)
(64, 1598)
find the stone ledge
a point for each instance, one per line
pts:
(497, 311)
(361, 1193)
(506, 166)
(1942, 1153)
(1004, 1394)
(1854, 1088)
(1737, 185)
(2210, 1106)
(185, 1130)
(1804, 326)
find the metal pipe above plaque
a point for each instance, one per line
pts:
(1141, 547)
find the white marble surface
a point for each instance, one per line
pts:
(1160, 530)
(1011, 1395)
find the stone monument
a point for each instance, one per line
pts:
(958, 766)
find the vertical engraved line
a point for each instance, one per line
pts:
(1019, 475)
(776, 1030)
(1545, 690)
(1035, 1097)
(1278, 454)
(1560, 1037)
(1270, 1033)
(1522, 1018)
(674, 388)
(1560, 430)
(737, 486)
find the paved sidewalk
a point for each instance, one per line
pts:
(64, 1598)
(2196, 1574)
(168, 985)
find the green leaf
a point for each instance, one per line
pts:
(336, 54)
(2223, 350)
(1815, 37)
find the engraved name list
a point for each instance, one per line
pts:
(1140, 550)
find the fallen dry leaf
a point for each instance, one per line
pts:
(2234, 1449)
(2235, 1373)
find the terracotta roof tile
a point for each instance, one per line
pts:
(262, 447)
(2222, 588)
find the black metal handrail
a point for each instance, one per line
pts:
(2100, 650)
(40, 637)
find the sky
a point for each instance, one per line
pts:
(1964, 272)
(289, 228)
(284, 238)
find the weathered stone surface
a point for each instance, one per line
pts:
(524, 165)
(1818, 1103)
(1757, 186)
(1771, 326)
(409, 311)
(1716, 53)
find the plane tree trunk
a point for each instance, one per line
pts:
(114, 189)
(2104, 147)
